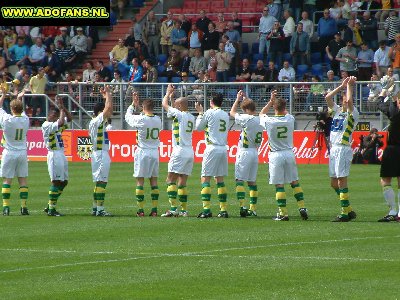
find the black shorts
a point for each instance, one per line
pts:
(390, 166)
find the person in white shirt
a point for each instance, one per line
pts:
(181, 161)
(308, 25)
(14, 161)
(345, 119)
(287, 73)
(100, 158)
(215, 123)
(246, 165)
(282, 161)
(146, 155)
(288, 29)
(57, 163)
(381, 59)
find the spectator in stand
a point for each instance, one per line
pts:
(233, 34)
(381, 15)
(123, 69)
(346, 11)
(117, 79)
(266, 25)
(232, 37)
(18, 53)
(274, 8)
(369, 27)
(137, 29)
(80, 44)
(259, 72)
(103, 72)
(10, 38)
(24, 29)
(374, 90)
(64, 37)
(135, 71)
(392, 27)
(89, 72)
(276, 40)
(296, 6)
(316, 96)
(140, 51)
(336, 14)
(332, 81)
(365, 58)
(203, 22)
(271, 74)
(119, 52)
(381, 59)
(299, 46)
(221, 25)
(20, 76)
(212, 57)
(37, 86)
(371, 6)
(308, 25)
(52, 66)
(212, 72)
(232, 49)
(186, 24)
(166, 29)
(332, 50)
(210, 40)
(66, 57)
(197, 63)
(172, 65)
(118, 5)
(245, 72)
(347, 57)
(27, 39)
(178, 37)
(224, 60)
(357, 34)
(287, 73)
(185, 61)
(326, 30)
(36, 53)
(195, 38)
(48, 34)
(130, 43)
(310, 7)
(151, 34)
(151, 71)
(394, 54)
(237, 23)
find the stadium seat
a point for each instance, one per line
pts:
(245, 48)
(326, 59)
(288, 57)
(162, 58)
(190, 10)
(192, 79)
(315, 58)
(235, 4)
(254, 47)
(190, 4)
(316, 69)
(176, 79)
(246, 23)
(249, 5)
(364, 92)
(231, 78)
(203, 5)
(257, 56)
(163, 79)
(301, 70)
(175, 10)
(160, 69)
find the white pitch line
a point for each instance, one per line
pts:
(202, 254)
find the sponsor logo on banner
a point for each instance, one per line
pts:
(84, 148)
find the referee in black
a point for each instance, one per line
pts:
(390, 166)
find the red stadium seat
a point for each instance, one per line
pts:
(216, 10)
(176, 10)
(190, 4)
(249, 5)
(215, 4)
(235, 3)
(189, 11)
(203, 5)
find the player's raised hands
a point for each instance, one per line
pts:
(198, 107)
(240, 95)
(135, 99)
(352, 80)
(170, 90)
(105, 91)
(274, 94)
(345, 82)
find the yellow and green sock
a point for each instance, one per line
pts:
(23, 195)
(206, 196)
(344, 202)
(139, 192)
(182, 197)
(253, 191)
(155, 193)
(172, 192)
(298, 194)
(6, 193)
(99, 195)
(240, 193)
(281, 201)
(222, 195)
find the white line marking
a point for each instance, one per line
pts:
(202, 254)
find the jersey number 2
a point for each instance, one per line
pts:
(282, 130)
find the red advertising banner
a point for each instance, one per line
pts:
(308, 147)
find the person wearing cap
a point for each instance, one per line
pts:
(332, 50)
(80, 44)
(64, 37)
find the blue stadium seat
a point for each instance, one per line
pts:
(245, 48)
(162, 58)
(192, 79)
(326, 59)
(301, 70)
(254, 47)
(231, 79)
(316, 69)
(163, 79)
(257, 56)
(316, 58)
(288, 57)
(176, 79)
(160, 69)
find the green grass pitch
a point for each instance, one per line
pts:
(125, 257)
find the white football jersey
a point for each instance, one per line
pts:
(252, 131)
(52, 135)
(98, 133)
(148, 128)
(280, 131)
(182, 127)
(215, 123)
(15, 129)
(343, 125)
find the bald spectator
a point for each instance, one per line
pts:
(195, 38)
(326, 30)
(119, 53)
(287, 73)
(197, 63)
(237, 23)
(259, 72)
(245, 72)
(308, 25)
(36, 53)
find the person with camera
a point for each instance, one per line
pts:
(369, 146)
(390, 166)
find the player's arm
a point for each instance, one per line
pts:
(349, 95)
(270, 103)
(331, 94)
(168, 95)
(130, 118)
(108, 106)
(61, 118)
(235, 105)
(201, 122)
(3, 95)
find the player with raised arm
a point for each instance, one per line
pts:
(57, 162)
(15, 157)
(390, 167)
(344, 122)
(282, 161)
(246, 165)
(146, 163)
(215, 123)
(100, 157)
(181, 162)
